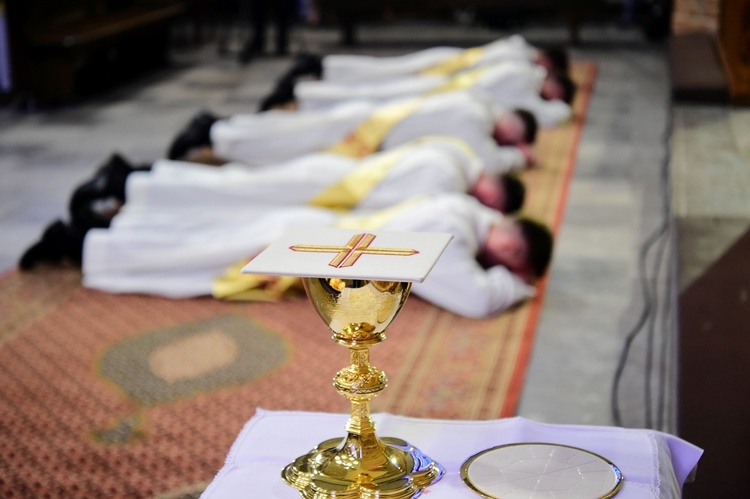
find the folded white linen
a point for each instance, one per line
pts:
(654, 464)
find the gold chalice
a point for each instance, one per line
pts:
(358, 287)
(361, 465)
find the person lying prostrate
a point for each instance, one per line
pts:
(172, 193)
(507, 84)
(357, 129)
(435, 60)
(427, 166)
(489, 266)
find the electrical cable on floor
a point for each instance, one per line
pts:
(654, 296)
(633, 333)
(652, 330)
(667, 302)
(650, 299)
(667, 325)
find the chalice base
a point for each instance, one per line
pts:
(389, 468)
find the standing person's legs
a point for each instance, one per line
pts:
(223, 13)
(286, 12)
(259, 13)
(256, 44)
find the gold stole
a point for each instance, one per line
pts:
(367, 137)
(343, 195)
(356, 185)
(466, 59)
(460, 81)
(234, 285)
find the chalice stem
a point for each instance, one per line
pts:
(360, 422)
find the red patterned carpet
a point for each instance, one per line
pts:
(133, 396)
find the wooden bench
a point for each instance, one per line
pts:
(86, 45)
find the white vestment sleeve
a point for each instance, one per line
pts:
(458, 114)
(180, 186)
(370, 68)
(458, 282)
(548, 113)
(323, 94)
(180, 260)
(274, 136)
(513, 84)
(512, 48)
(460, 285)
(502, 159)
(427, 170)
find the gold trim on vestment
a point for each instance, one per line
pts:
(464, 60)
(234, 285)
(367, 137)
(357, 184)
(461, 81)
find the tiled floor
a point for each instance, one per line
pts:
(595, 294)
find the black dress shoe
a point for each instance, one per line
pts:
(59, 242)
(196, 134)
(95, 202)
(307, 65)
(281, 95)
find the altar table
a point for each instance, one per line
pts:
(653, 464)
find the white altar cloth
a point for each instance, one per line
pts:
(653, 464)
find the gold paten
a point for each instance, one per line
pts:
(361, 465)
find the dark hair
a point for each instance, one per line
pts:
(558, 57)
(530, 123)
(569, 88)
(282, 94)
(515, 192)
(539, 240)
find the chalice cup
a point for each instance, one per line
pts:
(360, 465)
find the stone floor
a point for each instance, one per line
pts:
(615, 265)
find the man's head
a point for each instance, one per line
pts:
(554, 60)
(522, 245)
(504, 193)
(558, 87)
(516, 126)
